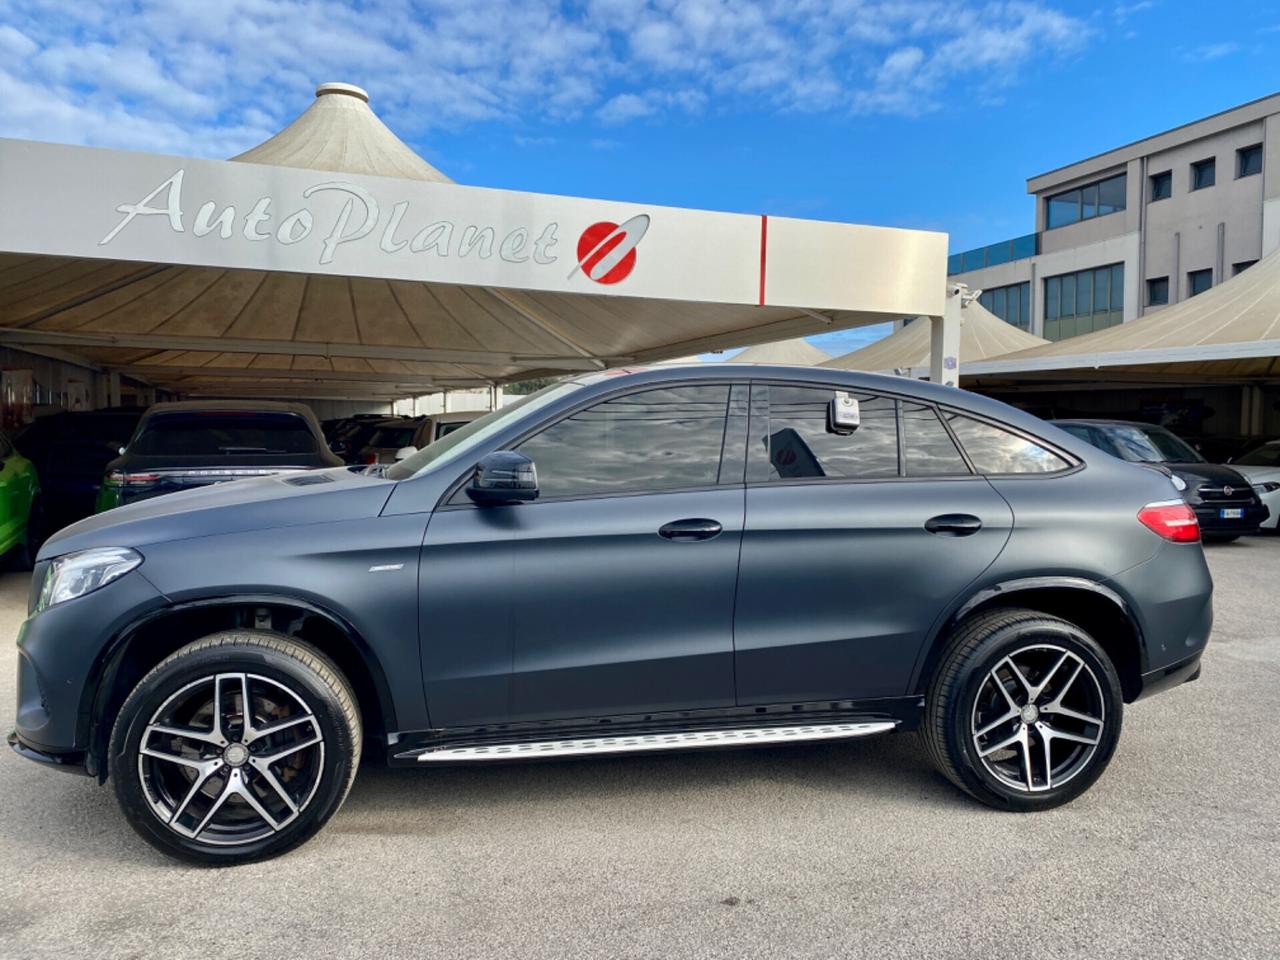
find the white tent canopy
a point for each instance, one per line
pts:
(983, 336)
(332, 261)
(1229, 332)
(796, 352)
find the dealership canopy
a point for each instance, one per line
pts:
(1229, 333)
(797, 352)
(983, 336)
(332, 261)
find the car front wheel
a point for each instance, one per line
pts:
(236, 748)
(1024, 712)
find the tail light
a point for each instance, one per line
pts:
(118, 478)
(1171, 519)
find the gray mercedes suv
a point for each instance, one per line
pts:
(659, 559)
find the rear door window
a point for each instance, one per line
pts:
(995, 450)
(927, 447)
(795, 443)
(220, 433)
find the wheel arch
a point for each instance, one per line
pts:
(146, 641)
(1097, 609)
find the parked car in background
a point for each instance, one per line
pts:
(21, 520)
(1224, 501)
(178, 446)
(663, 559)
(396, 439)
(347, 437)
(1261, 467)
(71, 451)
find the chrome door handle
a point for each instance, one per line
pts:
(687, 531)
(953, 524)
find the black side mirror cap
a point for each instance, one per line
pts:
(503, 477)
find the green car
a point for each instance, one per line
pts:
(20, 510)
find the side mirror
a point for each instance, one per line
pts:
(503, 477)
(405, 452)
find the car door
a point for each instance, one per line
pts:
(612, 593)
(854, 544)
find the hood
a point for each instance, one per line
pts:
(1257, 474)
(260, 503)
(1196, 474)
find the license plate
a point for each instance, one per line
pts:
(1231, 513)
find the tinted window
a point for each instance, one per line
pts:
(797, 444)
(1150, 444)
(927, 447)
(444, 429)
(223, 434)
(1249, 161)
(393, 437)
(994, 450)
(1162, 185)
(1198, 281)
(654, 440)
(1158, 290)
(1203, 174)
(1267, 455)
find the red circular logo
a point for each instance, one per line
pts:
(598, 254)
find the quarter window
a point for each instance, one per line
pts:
(796, 443)
(927, 447)
(997, 451)
(654, 440)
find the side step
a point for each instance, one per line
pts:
(641, 743)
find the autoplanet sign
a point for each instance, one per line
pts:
(605, 251)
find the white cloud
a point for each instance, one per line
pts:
(1210, 51)
(213, 77)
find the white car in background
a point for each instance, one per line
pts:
(395, 439)
(1261, 467)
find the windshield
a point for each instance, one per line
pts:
(1143, 444)
(393, 437)
(1267, 455)
(223, 434)
(467, 437)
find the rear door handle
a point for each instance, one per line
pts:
(686, 531)
(953, 524)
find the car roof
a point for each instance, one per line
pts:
(1107, 423)
(247, 406)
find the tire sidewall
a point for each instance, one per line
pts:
(1002, 642)
(157, 687)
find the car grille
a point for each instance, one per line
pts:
(1226, 493)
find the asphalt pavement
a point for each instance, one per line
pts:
(856, 849)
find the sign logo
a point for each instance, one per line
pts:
(607, 251)
(1228, 490)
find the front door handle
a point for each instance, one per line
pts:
(953, 524)
(687, 531)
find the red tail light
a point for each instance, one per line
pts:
(1171, 519)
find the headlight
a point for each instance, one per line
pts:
(76, 574)
(1270, 486)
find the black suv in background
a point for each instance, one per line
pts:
(1225, 503)
(178, 446)
(672, 558)
(71, 452)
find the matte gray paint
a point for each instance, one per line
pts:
(571, 608)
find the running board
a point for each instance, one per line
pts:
(641, 743)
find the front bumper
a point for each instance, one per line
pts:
(62, 652)
(1253, 515)
(73, 762)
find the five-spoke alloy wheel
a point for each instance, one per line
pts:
(1024, 712)
(236, 748)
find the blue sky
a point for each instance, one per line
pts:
(921, 113)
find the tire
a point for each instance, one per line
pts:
(974, 688)
(224, 793)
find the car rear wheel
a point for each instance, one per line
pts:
(236, 748)
(1025, 710)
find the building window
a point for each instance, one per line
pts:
(1198, 281)
(1161, 186)
(1012, 304)
(1084, 203)
(1157, 291)
(1204, 174)
(1083, 301)
(1241, 267)
(1249, 161)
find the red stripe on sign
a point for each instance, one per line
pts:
(764, 251)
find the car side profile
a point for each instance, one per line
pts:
(665, 558)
